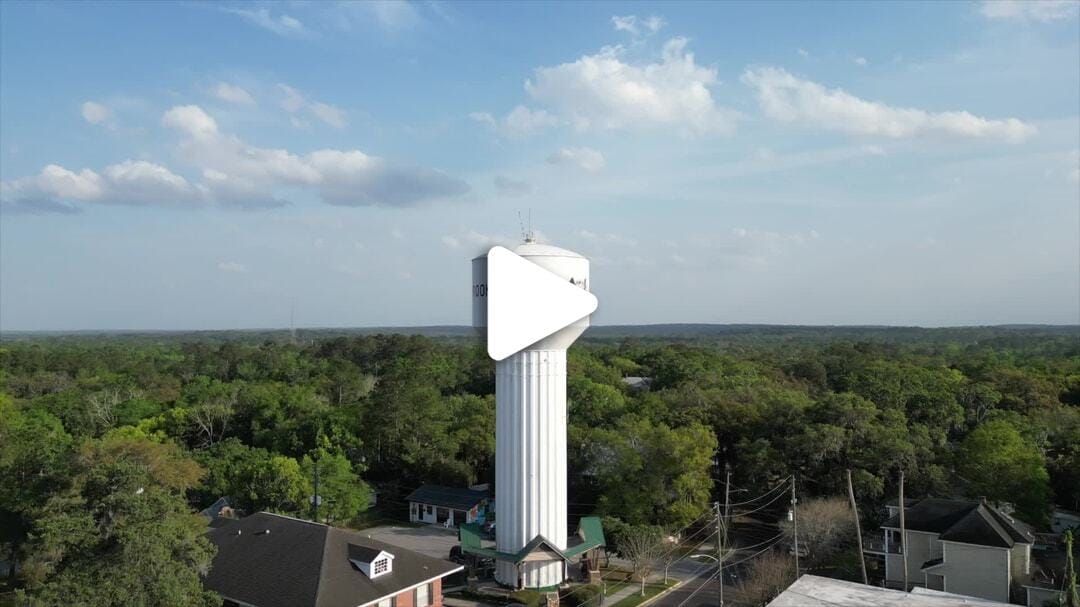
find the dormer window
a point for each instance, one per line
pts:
(373, 562)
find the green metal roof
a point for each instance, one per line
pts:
(590, 534)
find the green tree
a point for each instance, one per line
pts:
(343, 494)
(997, 463)
(34, 452)
(653, 474)
(121, 534)
(256, 479)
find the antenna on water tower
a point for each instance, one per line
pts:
(526, 234)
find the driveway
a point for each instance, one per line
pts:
(433, 541)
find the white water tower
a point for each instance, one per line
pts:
(530, 430)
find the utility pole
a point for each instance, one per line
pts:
(903, 529)
(722, 529)
(795, 525)
(720, 549)
(315, 498)
(858, 528)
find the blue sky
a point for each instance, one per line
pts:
(206, 166)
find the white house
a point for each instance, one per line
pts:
(957, 546)
(448, 506)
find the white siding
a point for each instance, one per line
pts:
(979, 571)
(1021, 560)
(921, 547)
(530, 461)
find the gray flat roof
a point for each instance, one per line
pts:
(815, 591)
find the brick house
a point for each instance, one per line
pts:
(270, 560)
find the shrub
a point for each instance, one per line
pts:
(528, 598)
(581, 595)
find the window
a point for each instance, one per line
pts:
(379, 566)
(428, 510)
(388, 602)
(423, 595)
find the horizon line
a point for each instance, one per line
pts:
(396, 328)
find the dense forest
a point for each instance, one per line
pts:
(110, 444)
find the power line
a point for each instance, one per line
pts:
(782, 484)
(700, 586)
(758, 509)
(756, 554)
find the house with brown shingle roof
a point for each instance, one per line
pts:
(271, 560)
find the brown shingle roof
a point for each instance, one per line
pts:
(961, 521)
(269, 560)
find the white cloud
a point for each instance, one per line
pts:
(506, 186)
(606, 239)
(231, 266)
(294, 102)
(519, 123)
(586, 159)
(130, 182)
(282, 25)
(329, 114)
(635, 26)
(1034, 10)
(392, 14)
(860, 61)
(803, 52)
(787, 98)
(352, 178)
(484, 118)
(235, 174)
(36, 206)
(476, 241)
(191, 120)
(95, 113)
(232, 93)
(604, 91)
(140, 182)
(57, 181)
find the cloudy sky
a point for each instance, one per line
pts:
(217, 165)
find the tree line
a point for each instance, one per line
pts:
(109, 445)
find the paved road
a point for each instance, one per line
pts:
(692, 594)
(696, 574)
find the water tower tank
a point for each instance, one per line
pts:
(565, 263)
(530, 434)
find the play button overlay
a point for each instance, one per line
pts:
(526, 303)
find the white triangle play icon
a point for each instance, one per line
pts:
(526, 303)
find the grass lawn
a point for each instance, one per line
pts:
(651, 590)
